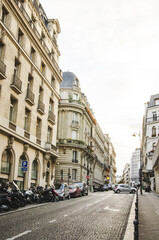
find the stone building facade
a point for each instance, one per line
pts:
(29, 92)
(83, 149)
(150, 139)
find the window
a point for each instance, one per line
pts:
(49, 135)
(76, 82)
(153, 146)
(34, 170)
(13, 110)
(4, 15)
(75, 96)
(154, 114)
(32, 54)
(53, 82)
(38, 128)
(41, 92)
(27, 120)
(74, 156)
(74, 117)
(74, 134)
(1, 50)
(6, 162)
(153, 131)
(20, 36)
(156, 101)
(51, 105)
(42, 69)
(22, 158)
(74, 174)
(30, 82)
(16, 67)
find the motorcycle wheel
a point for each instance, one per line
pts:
(48, 198)
(23, 203)
(15, 204)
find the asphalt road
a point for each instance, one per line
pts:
(100, 215)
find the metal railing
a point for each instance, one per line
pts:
(30, 95)
(16, 82)
(2, 67)
(41, 106)
(51, 116)
(152, 119)
(136, 221)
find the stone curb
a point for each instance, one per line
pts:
(129, 233)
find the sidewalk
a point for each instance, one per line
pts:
(148, 216)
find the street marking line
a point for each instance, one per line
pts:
(19, 235)
(97, 201)
(65, 215)
(51, 221)
(114, 210)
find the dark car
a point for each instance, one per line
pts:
(74, 190)
(84, 188)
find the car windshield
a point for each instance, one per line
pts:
(59, 186)
(72, 186)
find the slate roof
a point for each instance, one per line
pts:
(68, 80)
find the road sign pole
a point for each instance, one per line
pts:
(23, 179)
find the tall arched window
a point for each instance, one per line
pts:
(22, 158)
(153, 131)
(34, 170)
(6, 162)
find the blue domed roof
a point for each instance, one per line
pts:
(68, 80)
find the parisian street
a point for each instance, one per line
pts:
(100, 215)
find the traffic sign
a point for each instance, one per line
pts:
(24, 169)
(24, 164)
(87, 177)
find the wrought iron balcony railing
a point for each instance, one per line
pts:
(51, 117)
(2, 70)
(16, 85)
(152, 119)
(30, 97)
(41, 107)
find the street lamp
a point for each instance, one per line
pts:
(140, 170)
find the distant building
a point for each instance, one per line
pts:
(83, 147)
(135, 166)
(150, 139)
(126, 174)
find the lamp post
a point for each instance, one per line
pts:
(140, 170)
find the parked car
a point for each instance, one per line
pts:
(75, 190)
(97, 188)
(124, 188)
(104, 188)
(84, 188)
(62, 190)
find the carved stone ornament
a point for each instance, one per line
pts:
(26, 146)
(10, 142)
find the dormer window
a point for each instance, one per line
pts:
(76, 82)
(156, 101)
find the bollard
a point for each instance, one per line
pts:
(135, 229)
(136, 222)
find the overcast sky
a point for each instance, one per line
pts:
(112, 46)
